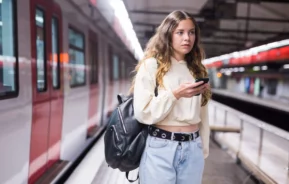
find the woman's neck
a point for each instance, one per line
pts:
(178, 57)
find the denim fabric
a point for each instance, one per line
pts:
(170, 162)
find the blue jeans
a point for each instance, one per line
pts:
(171, 162)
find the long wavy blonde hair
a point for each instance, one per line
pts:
(160, 47)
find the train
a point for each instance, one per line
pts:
(60, 71)
(261, 71)
(62, 65)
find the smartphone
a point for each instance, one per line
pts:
(205, 80)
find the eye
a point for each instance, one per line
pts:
(192, 32)
(179, 32)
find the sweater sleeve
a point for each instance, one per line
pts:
(148, 108)
(205, 130)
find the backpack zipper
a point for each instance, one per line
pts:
(122, 124)
(113, 127)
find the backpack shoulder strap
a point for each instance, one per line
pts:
(157, 85)
(156, 89)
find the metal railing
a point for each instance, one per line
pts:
(254, 141)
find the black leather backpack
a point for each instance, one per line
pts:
(125, 138)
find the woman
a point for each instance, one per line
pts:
(178, 139)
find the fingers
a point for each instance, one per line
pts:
(192, 89)
(207, 86)
(201, 89)
(197, 84)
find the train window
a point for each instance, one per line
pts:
(55, 54)
(40, 47)
(115, 67)
(93, 63)
(76, 58)
(8, 54)
(110, 62)
(123, 69)
(129, 71)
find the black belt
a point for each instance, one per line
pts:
(163, 134)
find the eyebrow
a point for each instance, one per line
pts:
(193, 29)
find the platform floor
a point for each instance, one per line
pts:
(220, 168)
(271, 154)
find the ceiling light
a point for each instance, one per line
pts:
(286, 66)
(126, 25)
(228, 72)
(256, 68)
(264, 67)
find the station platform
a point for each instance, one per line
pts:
(280, 104)
(220, 168)
(260, 150)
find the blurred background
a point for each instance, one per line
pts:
(62, 63)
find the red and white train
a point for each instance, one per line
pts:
(61, 66)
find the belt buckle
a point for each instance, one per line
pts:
(173, 137)
(190, 137)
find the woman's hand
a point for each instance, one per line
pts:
(188, 90)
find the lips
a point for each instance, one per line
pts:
(186, 45)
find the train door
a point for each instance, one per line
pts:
(109, 85)
(94, 87)
(47, 87)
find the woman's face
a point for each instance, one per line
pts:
(183, 38)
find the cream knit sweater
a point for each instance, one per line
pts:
(165, 109)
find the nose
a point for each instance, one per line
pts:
(186, 36)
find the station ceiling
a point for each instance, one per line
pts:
(226, 25)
